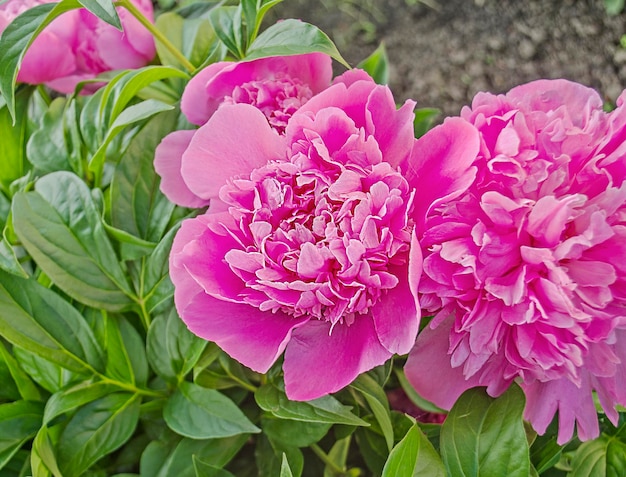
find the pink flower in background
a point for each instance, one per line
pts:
(305, 246)
(78, 46)
(525, 265)
(277, 86)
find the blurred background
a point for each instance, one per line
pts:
(442, 52)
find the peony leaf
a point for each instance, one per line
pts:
(40, 321)
(13, 143)
(126, 356)
(172, 460)
(253, 13)
(75, 396)
(288, 432)
(226, 22)
(378, 403)
(16, 39)
(19, 422)
(269, 457)
(201, 413)
(97, 429)
(604, 456)
(326, 409)
(15, 382)
(49, 375)
(60, 227)
(172, 349)
(293, 37)
(414, 455)
(377, 65)
(485, 436)
(285, 470)
(104, 10)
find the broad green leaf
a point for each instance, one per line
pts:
(172, 349)
(204, 469)
(415, 456)
(604, 456)
(285, 470)
(103, 9)
(253, 12)
(8, 259)
(269, 457)
(19, 422)
(378, 403)
(201, 413)
(16, 38)
(43, 457)
(40, 321)
(14, 137)
(17, 379)
(226, 22)
(131, 115)
(293, 433)
(293, 37)
(377, 65)
(130, 247)
(485, 437)
(137, 205)
(155, 286)
(326, 409)
(47, 374)
(75, 396)
(47, 149)
(162, 460)
(60, 226)
(97, 429)
(424, 120)
(194, 37)
(614, 7)
(126, 356)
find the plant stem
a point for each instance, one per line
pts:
(335, 469)
(156, 33)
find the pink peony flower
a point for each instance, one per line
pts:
(277, 86)
(78, 46)
(305, 246)
(525, 264)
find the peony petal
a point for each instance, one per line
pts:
(429, 371)
(254, 338)
(236, 140)
(196, 104)
(397, 316)
(47, 59)
(167, 163)
(320, 360)
(440, 167)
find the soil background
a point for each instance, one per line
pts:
(442, 52)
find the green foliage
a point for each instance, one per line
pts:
(101, 377)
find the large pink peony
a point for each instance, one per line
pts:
(78, 46)
(525, 265)
(305, 246)
(277, 86)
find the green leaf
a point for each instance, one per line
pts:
(172, 349)
(485, 436)
(60, 227)
(204, 469)
(285, 470)
(293, 37)
(226, 22)
(424, 120)
(377, 65)
(326, 409)
(19, 422)
(418, 400)
(46, 148)
(378, 403)
(14, 136)
(18, 36)
(269, 457)
(415, 456)
(253, 12)
(604, 456)
(103, 9)
(47, 374)
(162, 460)
(288, 432)
(75, 396)
(43, 459)
(614, 7)
(40, 321)
(126, 357)
(201, 413)
(338, 454)
(95, 430)
(19, 380)
(137, 205)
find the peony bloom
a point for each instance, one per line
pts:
(277, 86)
(78, 46)
(305, 246)
(525, 265)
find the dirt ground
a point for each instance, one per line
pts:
(442, 56)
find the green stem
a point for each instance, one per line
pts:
(156, 33)
(131, 387)
(334, 468)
